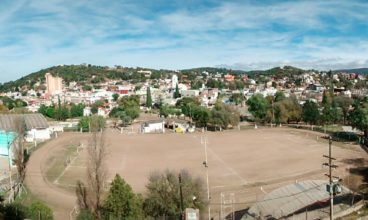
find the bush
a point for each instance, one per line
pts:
(85, 215)
(14, 211)
(38, 210)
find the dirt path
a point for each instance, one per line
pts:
(61, 201)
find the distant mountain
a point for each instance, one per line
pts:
(358, 70)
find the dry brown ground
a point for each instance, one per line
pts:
(240, 162)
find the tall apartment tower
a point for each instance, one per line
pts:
(54, 85)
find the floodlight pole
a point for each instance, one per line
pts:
(207, 181)
(330, 173)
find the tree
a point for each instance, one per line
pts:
(201, 116)
(148, 98)
(76, 110)
(344, 103)
(163, 197)
(85, 215)
(187, 105)
(176, 92)
(359, 116)
(14, 211)
(280, 113)
(166, 110)
(83, 123)
(310, 112)
(237, 98)
(82, 196)
(279, 96)
(43, 110)
(125, 119)
(258, 106)
(121, 202)
(50, 112)
(91, 123)
(130, 105)
(327, 109)
(96, 105)
(96, 171)
(222, 116)
(91, 198)
(38, 210)
(115, 97)
(61, 113)
(19, 128)
(293, 109)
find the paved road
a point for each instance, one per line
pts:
(61, 201)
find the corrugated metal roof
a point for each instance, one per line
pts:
(289, 199)
(31, 121)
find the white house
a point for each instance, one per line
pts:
(103, 112)
(87, 111)
(155, 126)
(189, 93)
(174, 81)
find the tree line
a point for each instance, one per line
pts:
(220, 116)
(334, 109)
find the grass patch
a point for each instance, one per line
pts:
(59, 161)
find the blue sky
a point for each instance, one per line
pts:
(173, 34)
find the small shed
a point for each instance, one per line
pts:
(154, 126)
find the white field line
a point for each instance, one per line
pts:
(243, 181)
(56, 181)
(230, 169)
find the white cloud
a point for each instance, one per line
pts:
(310, 34)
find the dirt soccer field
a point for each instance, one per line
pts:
(243, 164)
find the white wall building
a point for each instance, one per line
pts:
(87, 111)
(174, 81)
(156, 126)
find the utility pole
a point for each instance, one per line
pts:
(330, 166)
(205, 163)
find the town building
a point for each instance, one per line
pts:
(54, 85)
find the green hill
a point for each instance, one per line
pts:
(90, 74)
(82, 74)
(286, 71)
